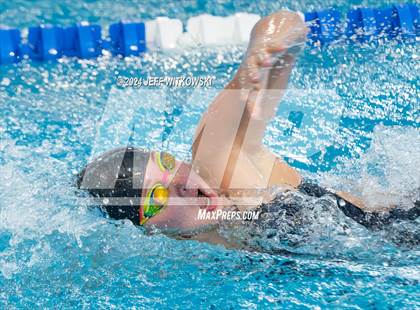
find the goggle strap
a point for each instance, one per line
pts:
(143, 219)
(159, 161)
(141, 215)
(165, 178)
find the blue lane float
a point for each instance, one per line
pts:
(404, 20)
(399, 20)
(85, 41)
(362, 23)
(128, 39)
(9, 45)
(45, 43)
(324, 27)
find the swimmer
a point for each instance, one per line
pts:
(231, 169)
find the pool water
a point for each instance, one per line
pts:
(361, 135)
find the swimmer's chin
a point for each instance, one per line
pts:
(178, 232)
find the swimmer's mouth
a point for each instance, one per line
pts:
(209, 205)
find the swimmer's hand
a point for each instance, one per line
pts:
(279, 35)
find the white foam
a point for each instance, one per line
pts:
(387, 174)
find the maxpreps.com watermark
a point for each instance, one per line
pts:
(168, 81)
(230, 215)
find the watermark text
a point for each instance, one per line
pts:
(228, 215)
(168, 81)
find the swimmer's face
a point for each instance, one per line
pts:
(187, 194)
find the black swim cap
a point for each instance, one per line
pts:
(116, 177)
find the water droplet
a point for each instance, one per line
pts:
(52, 51)
(5, 82)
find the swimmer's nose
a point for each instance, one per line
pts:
(188, 184)
(182, 184)
(183, 191)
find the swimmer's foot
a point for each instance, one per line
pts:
(275, 40)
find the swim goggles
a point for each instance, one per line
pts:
(157, 197)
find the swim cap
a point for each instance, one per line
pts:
(116, 177)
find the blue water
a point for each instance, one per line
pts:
(362, 136)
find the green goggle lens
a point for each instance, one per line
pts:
(156, 199)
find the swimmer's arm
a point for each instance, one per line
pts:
(358, 202)
(244, 107)
(352, 199)
(263, 76)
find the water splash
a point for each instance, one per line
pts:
(55, 250)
